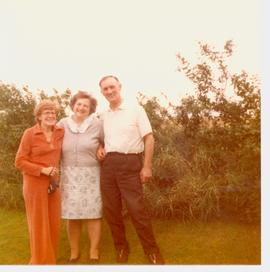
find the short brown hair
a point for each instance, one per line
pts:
(82, 94)
(105, 77)
(43, 105)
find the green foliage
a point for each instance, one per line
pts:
(208, 147)
(16, 114)
(62, 99)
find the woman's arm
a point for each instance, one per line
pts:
(22, 160)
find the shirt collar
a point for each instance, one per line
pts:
(38, 130)
(122, 106)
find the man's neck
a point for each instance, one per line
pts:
(115, 106)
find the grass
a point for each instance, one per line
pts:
(219, 242)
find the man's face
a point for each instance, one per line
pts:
(111, 88)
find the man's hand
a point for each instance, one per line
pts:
(145, 174)
(101, 153)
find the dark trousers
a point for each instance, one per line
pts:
(120, 179)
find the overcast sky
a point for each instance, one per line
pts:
(72, 44)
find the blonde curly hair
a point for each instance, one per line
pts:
(45, 104)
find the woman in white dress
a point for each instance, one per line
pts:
(80, 175)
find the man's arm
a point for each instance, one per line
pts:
(146, 172)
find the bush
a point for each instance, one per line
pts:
(11, 195)
(207, 160)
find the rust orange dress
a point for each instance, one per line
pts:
(42, 209)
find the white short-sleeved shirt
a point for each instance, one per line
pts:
(124, 128)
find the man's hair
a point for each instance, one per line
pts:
(82, 94)
(108, 76)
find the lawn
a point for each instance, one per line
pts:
(219, 242)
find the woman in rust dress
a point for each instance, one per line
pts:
(38, 158)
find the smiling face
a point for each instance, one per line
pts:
(47, 118)
(111, 88)
(82, 108)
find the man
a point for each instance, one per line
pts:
(127, 135)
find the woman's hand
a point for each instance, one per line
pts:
(49, 171)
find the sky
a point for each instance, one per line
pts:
(68, 44)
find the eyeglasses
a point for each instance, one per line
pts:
(49, 113)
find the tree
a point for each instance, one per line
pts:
(212, 140)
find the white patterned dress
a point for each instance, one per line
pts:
(80, 170)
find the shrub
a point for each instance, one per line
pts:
(208, 147)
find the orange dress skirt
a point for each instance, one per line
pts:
(42, 209)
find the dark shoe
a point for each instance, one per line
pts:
(156, 258)
(122, 256)
(74, 260)
(94, 260)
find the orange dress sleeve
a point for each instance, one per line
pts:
(22, 160)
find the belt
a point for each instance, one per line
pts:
(122, 154)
